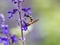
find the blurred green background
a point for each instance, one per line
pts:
(49, 13)
(47, 30)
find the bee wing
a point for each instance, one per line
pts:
(33, 21)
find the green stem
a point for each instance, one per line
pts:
(19, 11)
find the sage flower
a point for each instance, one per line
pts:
(22, 23)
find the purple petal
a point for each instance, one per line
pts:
(29, 12)
(11, 13)
(5, 29)
(25, 26)
(0, 40)
(21, 0)
(10, 16)
(6, 43)
(14, 11)
(26, 9)
(14, 38)
(4, 39)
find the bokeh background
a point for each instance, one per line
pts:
(44, 32)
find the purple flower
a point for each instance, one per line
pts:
(0, 40)
(12, 13)
(5, 29)
(15, 2)
(21, 0)
(26, 9)
(23, 22)
(29, 12)
(6, 43)
(4, 39)
(14, 38)
(25, 26)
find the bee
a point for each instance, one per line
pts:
(31, 20)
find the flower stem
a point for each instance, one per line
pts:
(19, 11)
